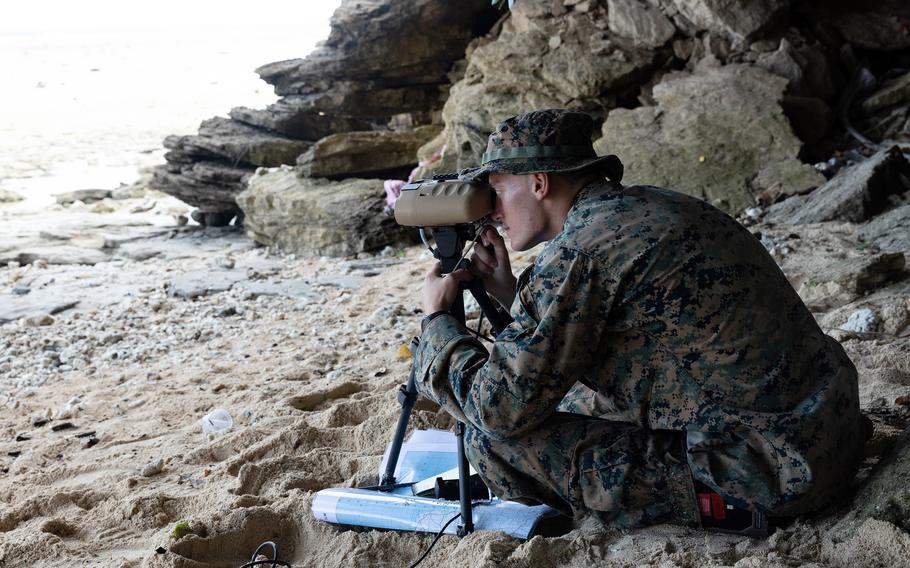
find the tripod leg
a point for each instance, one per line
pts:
(407, 396)
(464, 485)
(498, 320)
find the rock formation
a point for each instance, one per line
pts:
(856, 195)
(318, 217)
(726, 101)
(704, 124)
(363, 153)
(384, 64)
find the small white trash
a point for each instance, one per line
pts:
(218, 420)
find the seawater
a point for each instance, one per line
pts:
(89, 109)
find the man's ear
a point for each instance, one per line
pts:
(542, 185)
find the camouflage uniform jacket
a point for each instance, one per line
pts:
(678, 316)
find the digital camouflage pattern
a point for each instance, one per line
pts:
(669, 321)
(551, 140)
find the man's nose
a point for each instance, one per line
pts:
(497, 210)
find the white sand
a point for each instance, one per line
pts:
(311, 387)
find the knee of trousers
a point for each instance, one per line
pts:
(631, 490)
(512, 471)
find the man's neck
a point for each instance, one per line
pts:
(565, 192)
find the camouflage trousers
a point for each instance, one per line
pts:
(581, 465)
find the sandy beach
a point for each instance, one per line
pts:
(103, 453)
(142, 323)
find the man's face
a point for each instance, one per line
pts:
(517, 209)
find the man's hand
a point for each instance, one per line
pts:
(440, 291)
(490, 263)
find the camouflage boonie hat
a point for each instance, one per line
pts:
(542, 141)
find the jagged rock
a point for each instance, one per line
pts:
(352, 154)
(7, 196)
(854, 194)
(204, 282)
(838, 283)
(381, 59)
(59, 254)
(525, 68)
(318, 217)
(890, 231)
(740, 21)
(874, 24)
(352, 107)
(300, 117)
(641, 21)
(398, 43)
(806, 68)
(210, 186)
(19, 307)
(83, 195)
(227, 140)
(701, 138)
(894, 92)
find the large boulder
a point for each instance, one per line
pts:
(719, 134)
(210, 186)
(892, 93)
(854, 194)
(805, 65)
(739, 21)
(364, 154)
(208, 170)
(236, 143)
(889, 231)
(822, 287)
(318, 217)
(381, 58)
(641, 21)
(395, 43)
(547, 54)
(829, 264)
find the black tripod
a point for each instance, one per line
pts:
(450, 242)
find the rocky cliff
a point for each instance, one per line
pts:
(741, 104)
(384, 68)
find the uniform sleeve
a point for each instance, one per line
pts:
(560, 313)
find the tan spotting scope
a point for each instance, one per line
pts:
(443, 202)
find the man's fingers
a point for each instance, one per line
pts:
(495, 247)
(461, 275)
(435, 272)
(484, 255)
(491, 238)
(480, 267)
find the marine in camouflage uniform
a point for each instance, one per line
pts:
(655, 342)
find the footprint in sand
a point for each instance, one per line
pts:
(236, 536)
(311, 401)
